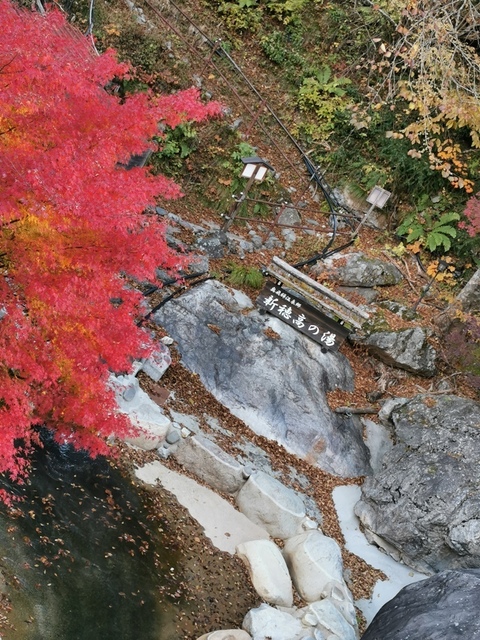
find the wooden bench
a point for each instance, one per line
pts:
(330, 303)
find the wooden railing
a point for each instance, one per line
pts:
(329, 302)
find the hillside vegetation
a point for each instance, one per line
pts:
(373, 93)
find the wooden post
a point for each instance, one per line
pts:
(236, 205)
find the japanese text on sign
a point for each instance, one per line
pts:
(302, 316)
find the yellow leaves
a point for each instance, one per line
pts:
(414, 153)
(414, 247)
(396, 135)
(112, 30)
(447, 276)
(403, 30)
(475, 139)
(225, 181)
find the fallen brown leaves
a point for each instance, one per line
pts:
(190, 396)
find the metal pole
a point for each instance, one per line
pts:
(365, 218)
(424, 292)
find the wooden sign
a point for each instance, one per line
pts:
(302, 316)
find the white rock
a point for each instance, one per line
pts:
(268, 571)
(267, 623)
(151, 423)
(272, 505)
(340, 596)
(314, 561)
(156, 364)
(184, 420)
(227, 634)
(223, 524)
(310, 619)
(207, 461)
(330, 620)
(308, 524)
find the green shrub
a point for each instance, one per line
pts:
(287, 11)
(241, 16)
(282, 47)
(321, 95)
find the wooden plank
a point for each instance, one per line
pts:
(316, 286)
(333, 308)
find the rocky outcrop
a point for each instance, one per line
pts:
(227, 634)
(320, 620)
(310, 561)
(358, 270)
(424, 503)
(439, 608)
(267, 374)
(407, 349)
(267, 622)
(329, 621)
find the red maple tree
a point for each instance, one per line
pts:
(472, 213)
(72, 220)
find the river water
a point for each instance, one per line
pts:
(82, 557)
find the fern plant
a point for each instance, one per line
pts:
(430, 231)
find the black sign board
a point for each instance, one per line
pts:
(301, 316)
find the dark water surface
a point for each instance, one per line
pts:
(82, 557)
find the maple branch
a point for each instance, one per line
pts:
(2, 133)
(7, 63)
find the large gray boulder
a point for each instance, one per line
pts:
(442, 607)
(407, 349)
(424, 503)
(272, 377)
(358, 270)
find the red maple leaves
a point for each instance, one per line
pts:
(71, 222)
(472, 213)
